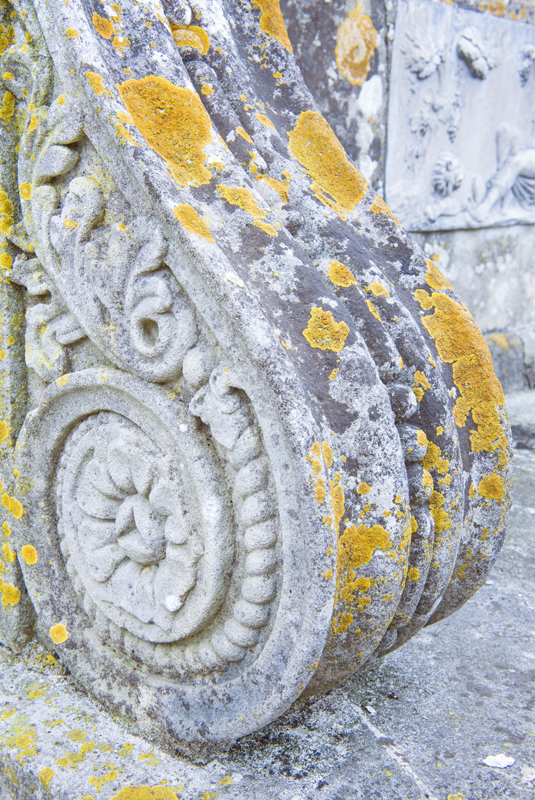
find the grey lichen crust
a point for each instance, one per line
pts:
(265, 443)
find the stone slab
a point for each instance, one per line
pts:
(452, 162)
(418, 723)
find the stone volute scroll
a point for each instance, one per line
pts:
(264, 443)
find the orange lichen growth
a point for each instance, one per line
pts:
(7, 110)
(314, 145)
(281, 187)
(337, 499)
(97, 84)
(340, 275)
(272, 22)
(120, 42)
(265, 121)
(380, 207)
(363, 488)
(72, 34)
(244, 135)
(192, 222)
(266, 227)
(327, 454)
(191, 36)
(103, 26)
(379, 290)
(316, 450)
(460, 343)
(59, 633)
(173, 122)
(29, 554)
(323, 332)
(492, 487)
(356, 41)
(373, 310)
(243, 198)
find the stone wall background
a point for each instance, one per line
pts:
(492, 268)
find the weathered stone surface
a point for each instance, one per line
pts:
(265, 443)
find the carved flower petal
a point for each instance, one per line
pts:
(98, 476)
(133, 586)
(137, 549)
(102, 561)
(142, 475)
(148, 523)
(119, 467)
(56, 160)
(124, 521)
(176, 530)
(96, 504)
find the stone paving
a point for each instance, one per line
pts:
(419, 723)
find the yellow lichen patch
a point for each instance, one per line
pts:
(8, 107)
(192, 221)
(357, 545)
(272, 22)
(472, 491)
(124, 135)
(380, 207)
(433, 459)
(373, 310)
(266, 227)
(492, 487)
(59, 633)
(379, 290)
(422, 439)
(427, 479)
(103, 26)
(333, 375)
(413, 524)
(120, 42)
(33, 124)
(500, 339)
(97, 83)
(63, 380)
(173, 122)
(207, 90)
(192, 36)
(25, 190)
(45, 776)
(6, 529)
(265, 121)
(145, 793)
(327, 454)
(340, 275)
(244, 135)
(243, 198)
(337, 499)
(7, 37)
(356, 41)
(72, 34)
(363, 488)
(10, 594)
(29, 554)
(4, 431)
(314, 145)
(435, 278)
(281, 187)
(460, 343)
(440, 515)
(13, 505)
(9, 555)
(414, 574)
(6, 261)
(319, 490)
(323, 332)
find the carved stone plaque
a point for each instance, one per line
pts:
(461, 152)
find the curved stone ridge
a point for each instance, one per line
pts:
(265, 441)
